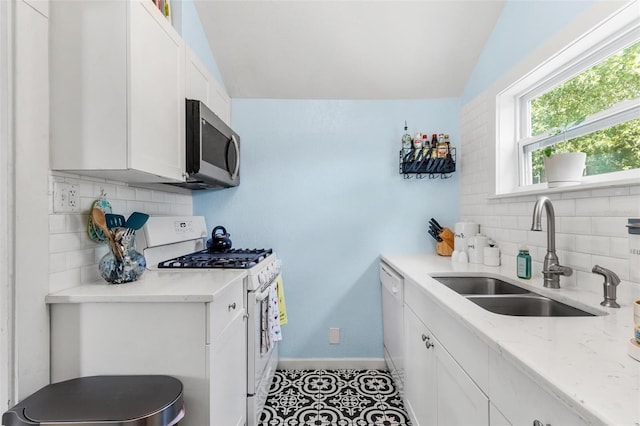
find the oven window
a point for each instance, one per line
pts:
(214, 152)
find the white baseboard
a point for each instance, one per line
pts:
(332, 364)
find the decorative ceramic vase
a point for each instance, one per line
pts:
(565, 168)
(117, 271)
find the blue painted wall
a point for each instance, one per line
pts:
(320, 184)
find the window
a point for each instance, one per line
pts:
(586, 98)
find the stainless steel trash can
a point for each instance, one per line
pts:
(147, 400)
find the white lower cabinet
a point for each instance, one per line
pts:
(229, 368)
(420, 372)
(203, 344)
(522, 401)
(437, 390)
(454, 378)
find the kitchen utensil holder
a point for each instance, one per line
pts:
(417, 162)
(118, 267)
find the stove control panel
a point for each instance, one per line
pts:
(161, 230)
(269, 273)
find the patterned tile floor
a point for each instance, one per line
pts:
(333, 398)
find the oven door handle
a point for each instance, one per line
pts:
(261, 296)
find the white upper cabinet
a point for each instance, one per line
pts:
(201, 85)
(117, 91)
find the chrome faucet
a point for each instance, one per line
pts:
(552, 268)
(611, 281)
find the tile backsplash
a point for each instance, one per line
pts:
(73, 257)
(590, 224)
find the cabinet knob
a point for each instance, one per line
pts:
(427, 341)
(539, 423)
(232, 306)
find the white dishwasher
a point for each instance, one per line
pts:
(393, 322)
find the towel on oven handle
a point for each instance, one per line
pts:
(275, 333)
(281, 305)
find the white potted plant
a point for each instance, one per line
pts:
(564, 168)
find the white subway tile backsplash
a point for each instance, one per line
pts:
(125, 193)
(625, 206)
(610, 226)
(57, 262)
(575, 260)
(143, 194)
(573, 225)
(593, 206)
(517, 235)
(158, 197)
(575, 195)
(592, 244)
(519, 208)
(59, 281)
(564, 207)
(619, 247)
(610, 192)
(80, 258)
(57, 224)
(590, 223)
(73, 257)
(90, 274)
(135, 206)
(59, 243)
(566, 242)
(76, 222)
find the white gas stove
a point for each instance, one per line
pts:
(176, 244)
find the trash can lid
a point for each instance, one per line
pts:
(119, 400)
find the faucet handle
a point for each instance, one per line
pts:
(611, 281)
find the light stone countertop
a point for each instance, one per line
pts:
(582, 360)
(153, 286)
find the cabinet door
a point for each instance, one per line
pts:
(228, 375)
(459, 400)
(197, 78)
(220, 103)
(156, 94)
(420, 373)
(496, 418)
(522, 401)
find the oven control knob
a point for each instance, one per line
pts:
(261, 278)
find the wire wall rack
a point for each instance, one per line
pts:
(421, 163)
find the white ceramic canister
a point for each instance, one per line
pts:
(491, 256)
(476, 247)
(463, 232)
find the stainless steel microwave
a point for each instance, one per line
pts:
(212, 150)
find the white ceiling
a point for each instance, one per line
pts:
(348, 49)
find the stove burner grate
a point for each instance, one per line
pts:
(229, 259)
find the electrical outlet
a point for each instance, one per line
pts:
(65, 198)
(334, 336)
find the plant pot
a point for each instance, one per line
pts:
(565, 168)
